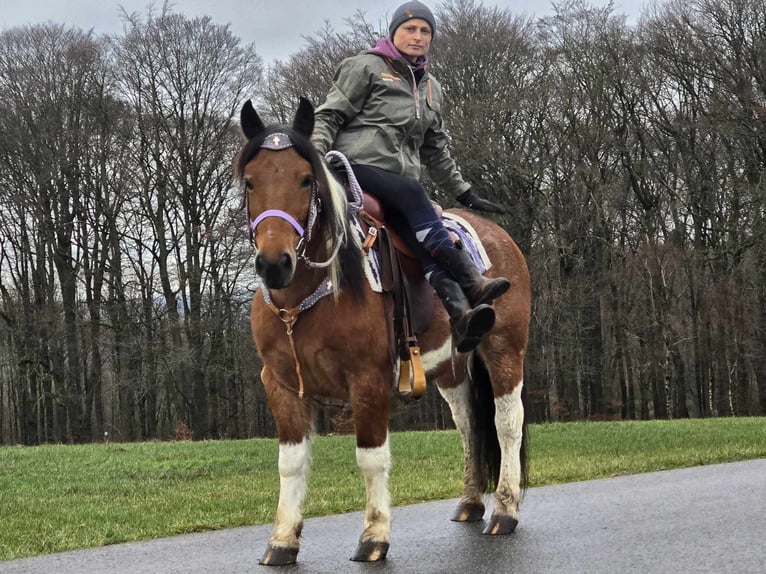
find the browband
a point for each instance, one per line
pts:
(277, 141)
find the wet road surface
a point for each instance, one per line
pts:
(703, 519)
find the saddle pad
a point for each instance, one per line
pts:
(456, 224)
(371, 262)
(469, 238)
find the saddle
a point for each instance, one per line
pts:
(409, 295)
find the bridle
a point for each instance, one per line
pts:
(280, 141)
(276, 142)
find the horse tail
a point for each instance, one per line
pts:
(486, 447)
(484, 432)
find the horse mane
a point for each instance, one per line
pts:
(347, 270)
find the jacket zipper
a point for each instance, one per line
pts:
(416, 98)
(415, 93)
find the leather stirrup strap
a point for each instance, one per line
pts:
(411, 367)
(412, 379)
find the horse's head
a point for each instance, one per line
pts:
(297, 211)
(282, 175)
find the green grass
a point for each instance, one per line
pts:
(55, 498)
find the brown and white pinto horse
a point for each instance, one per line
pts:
(335, 346)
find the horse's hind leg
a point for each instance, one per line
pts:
(471, 506)
(492, 445)
(294, 423)
(509, 422)
(373, 457)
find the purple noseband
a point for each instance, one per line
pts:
(282, 215)
(277, 142)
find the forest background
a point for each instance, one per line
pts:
(631, 159)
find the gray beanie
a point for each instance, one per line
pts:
(408, 10)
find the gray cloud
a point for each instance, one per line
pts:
(276, 27)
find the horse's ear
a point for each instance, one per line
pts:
(250, 122)
(304, 118)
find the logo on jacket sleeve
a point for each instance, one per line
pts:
(389, 77)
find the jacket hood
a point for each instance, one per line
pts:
(385, 47)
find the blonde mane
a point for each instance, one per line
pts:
(340, 215)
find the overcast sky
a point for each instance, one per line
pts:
(275, 27)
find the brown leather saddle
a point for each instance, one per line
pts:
(410, 297)
(420, 292)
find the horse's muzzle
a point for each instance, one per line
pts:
(277, 273)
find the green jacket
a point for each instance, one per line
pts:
(373, 117)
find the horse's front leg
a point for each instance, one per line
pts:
(373, 456)
(294, 419)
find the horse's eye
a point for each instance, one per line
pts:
(307, 181)
(247, 185)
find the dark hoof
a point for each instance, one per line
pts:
(278, 556)
(468, 512)
(471, 329)
(500, 524)
(370, 551)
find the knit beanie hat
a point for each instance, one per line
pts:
(409, 10)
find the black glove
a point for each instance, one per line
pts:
(472, 200)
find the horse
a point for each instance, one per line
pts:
(322, 334)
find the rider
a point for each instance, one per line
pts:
(383, 112)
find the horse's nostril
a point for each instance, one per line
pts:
(277, 272)
(260, 265)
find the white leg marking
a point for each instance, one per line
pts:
(433, 359)
(459, 404)
(375, 464)
(509, 420)
(294, 462)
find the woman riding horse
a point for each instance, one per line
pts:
(321, 329)
(384, 113)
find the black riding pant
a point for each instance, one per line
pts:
(408, 210)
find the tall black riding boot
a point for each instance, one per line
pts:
(478, 289)
(469, 325)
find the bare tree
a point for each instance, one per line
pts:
(309, 71)
(185, 80)
(632, 160)
(56, 98)
(488, 63)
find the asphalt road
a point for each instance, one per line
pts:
(703, 519)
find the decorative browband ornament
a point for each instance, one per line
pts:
(277, 141)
